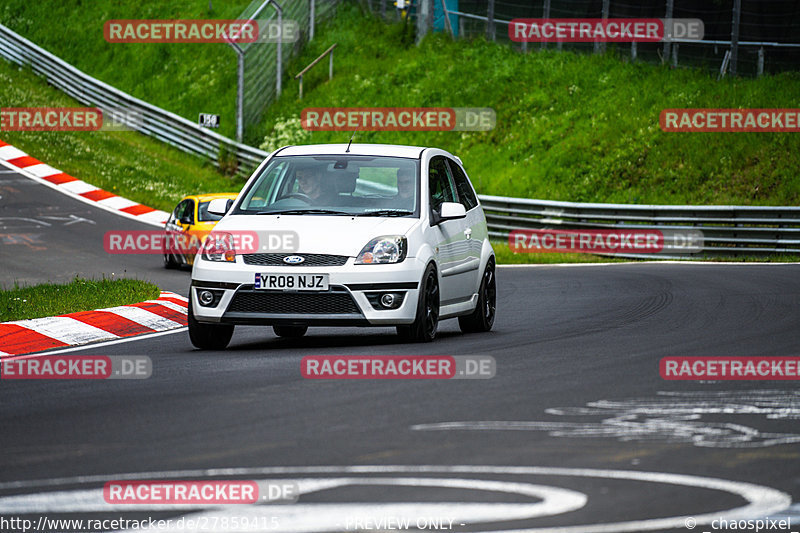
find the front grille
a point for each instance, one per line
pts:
(335, 302)
(313, 260)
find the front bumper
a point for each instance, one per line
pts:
(346, 303)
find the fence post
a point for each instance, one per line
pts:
(279, 66)
(383, 9)
(737, 11)
(311, 18)
(598, 46)
(490, 21)
(668, 40)
(240, 97)
(634, 51)
(423, 16)
(545, 15)
(675, 55)
(760, 61)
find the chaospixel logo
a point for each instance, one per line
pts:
(612, 241)
(180, 31)
(730, 120)
(398, 118)
(611, 30)
(50, 119)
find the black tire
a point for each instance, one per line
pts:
(482, 318)
(170, 261)
(290, 332)
(208, 336)
(426, 322)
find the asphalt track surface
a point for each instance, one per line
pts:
(607, 443)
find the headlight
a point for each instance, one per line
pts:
(383, 250)
(218, 246)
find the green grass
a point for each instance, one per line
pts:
(573, 127)
(125, 163)
(186, 79)
(44, 300)
(570, 126)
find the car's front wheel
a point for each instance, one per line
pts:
(170, 261)
(208, 336)
(426, 322)
(482, 318)
(291, 332)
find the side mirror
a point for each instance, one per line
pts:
(219, 206)
(452, 210)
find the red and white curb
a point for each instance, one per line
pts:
(20, 337)
(16, 159)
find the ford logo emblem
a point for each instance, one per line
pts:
(293, 259)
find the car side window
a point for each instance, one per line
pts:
(465, 193)
(184, 208)
(440, 183)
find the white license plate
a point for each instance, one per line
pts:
(292, 282)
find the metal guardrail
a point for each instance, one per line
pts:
(135, 113)
(727, 230)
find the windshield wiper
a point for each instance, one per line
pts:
(386, 213)
(304, 212)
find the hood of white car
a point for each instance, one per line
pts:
(320, 234)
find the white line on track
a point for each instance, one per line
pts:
(761, 500)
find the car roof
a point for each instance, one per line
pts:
(210, 196)
(389, 150)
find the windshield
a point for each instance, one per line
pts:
(335, 184)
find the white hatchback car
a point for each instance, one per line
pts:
(386, 236)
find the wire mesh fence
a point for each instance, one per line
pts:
(757, 35)
(261, 72)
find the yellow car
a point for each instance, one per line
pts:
(188, 224)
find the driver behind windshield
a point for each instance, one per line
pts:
(311, 183)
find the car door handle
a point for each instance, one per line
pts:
(468, 233)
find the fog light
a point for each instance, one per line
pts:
(206, 297)
(388, 299)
